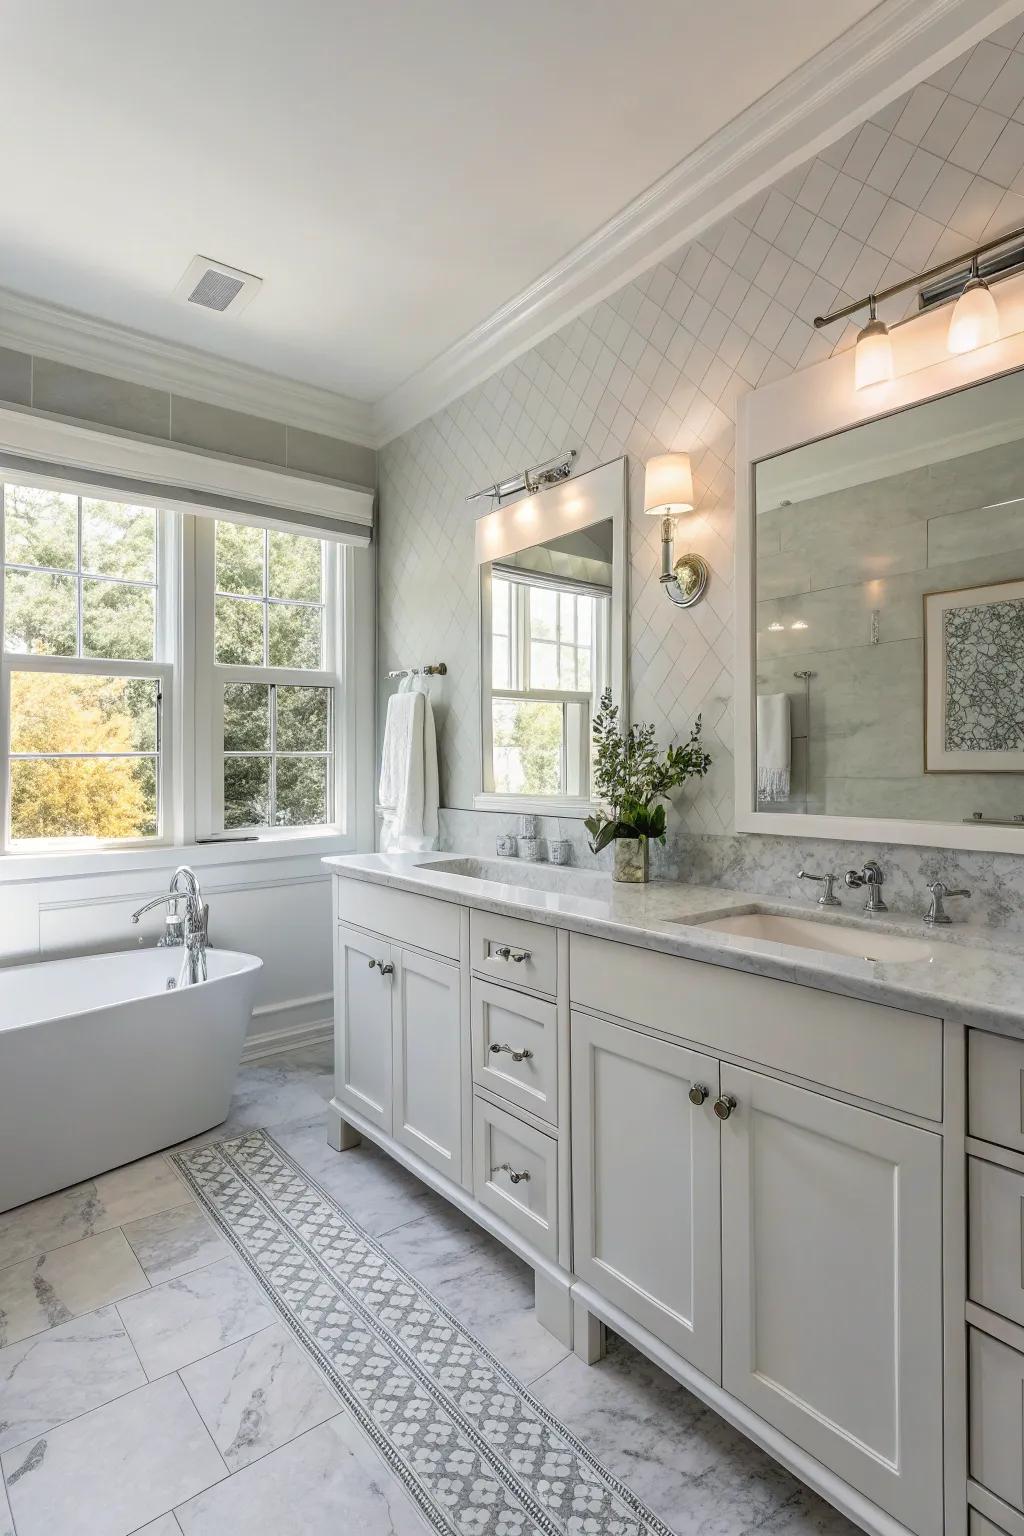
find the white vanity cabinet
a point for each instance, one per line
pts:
(832, 1285)
(759, 1183)
(645, 1178)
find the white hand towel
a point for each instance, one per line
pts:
(408, 791)
(773, 747)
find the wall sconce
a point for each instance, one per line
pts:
(668, 490)
(872, 361)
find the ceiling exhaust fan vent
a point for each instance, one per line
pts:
(215, 286)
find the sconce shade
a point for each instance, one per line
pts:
(872, 361)
(975, 318)
(668, 484)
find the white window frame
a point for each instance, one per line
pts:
(186, 768)
(211, 676)
(162, 669)
(575, 766)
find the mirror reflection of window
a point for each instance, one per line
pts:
(550, 640)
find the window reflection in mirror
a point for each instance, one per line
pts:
(550, 644)
(890, 615)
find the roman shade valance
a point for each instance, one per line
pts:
(184, 479)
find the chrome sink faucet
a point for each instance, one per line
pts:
(189, 928)
(871, 876)
(828, 897)
(937, 916)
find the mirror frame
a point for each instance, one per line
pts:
(816, 403)
(594, 496)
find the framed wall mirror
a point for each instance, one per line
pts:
(553, 607)
(882, 636)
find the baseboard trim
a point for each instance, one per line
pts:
(300, 1022)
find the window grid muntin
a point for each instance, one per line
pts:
(267, 602)
(271, 752)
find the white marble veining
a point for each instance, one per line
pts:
(343, 1483)
(257, 1395)
(6, 1520)
(171, 1243)
(114, 1469)
(124, 1194)
(187, 1318)
(54, 1287)
(57, 1375)
(961, 980)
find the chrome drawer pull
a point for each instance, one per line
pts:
(384, 966)
(523, 1055)
(506, 952)
(514, 1176)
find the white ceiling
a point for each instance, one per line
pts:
(394, 170)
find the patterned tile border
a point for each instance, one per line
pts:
(478, 1454)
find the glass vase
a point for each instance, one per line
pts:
(631, 865)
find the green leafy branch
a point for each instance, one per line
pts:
(631, 778)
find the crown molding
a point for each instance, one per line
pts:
(65, 336)
(898, 44)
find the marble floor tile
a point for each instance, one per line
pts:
(6, 1521)
(194, 1315)
(57, 1375)
(66, 1282)
(692, 1468)
(444, 1245)
(329, 1480)
(124, 1194)
(167, 1525)
(171, 1243)
(114, 1469)
(497, 1306)
(257, 1395)
(378, 1193)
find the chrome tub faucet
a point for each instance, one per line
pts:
(189, 928)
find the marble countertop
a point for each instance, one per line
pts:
(974, 978)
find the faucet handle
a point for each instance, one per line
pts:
(937, 914)
(828, 897)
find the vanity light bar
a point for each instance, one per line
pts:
(534, 479)
(961, 265)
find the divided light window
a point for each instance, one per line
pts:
(84, 678)
(274, 683)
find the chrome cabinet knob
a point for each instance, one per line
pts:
(386, 968)
(373, 965)
(519, 955)
(698, 1093)
(516, 1176)
(503, 952)
(724, 1106)
(523, 1055)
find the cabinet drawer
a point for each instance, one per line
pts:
(996, 1238)
(997, 1420)
(878, 1053)
(496, 942)
(423, 922)
(980, 1525)
(995, 1106)
(503, 1146)
(507, 1024)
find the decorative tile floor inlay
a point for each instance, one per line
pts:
(475, 1450)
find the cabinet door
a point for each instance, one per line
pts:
(831, 1286)
(362, 1024)
(428, 1060)
(645, 1164)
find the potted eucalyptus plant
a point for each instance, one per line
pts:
(631, 780)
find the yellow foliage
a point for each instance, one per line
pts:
(76, 797)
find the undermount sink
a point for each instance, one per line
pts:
(559, 878)
(811, 933)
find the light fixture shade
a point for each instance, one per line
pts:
(872, 361)
(975, 318)
(668, 484)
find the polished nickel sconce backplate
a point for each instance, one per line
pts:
(687, 580)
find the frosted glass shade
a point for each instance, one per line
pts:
(872, 361)
(975, 318)
(668, 484)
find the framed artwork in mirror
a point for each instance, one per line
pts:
(974, 679)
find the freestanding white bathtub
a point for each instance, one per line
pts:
(100, 1063)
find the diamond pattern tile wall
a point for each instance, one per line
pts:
(660, 366)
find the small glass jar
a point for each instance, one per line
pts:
(530, 849)
(528, 826)
(505, 845)
(559, 850)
